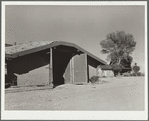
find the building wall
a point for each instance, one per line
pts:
(75, 72)
(33, 69)
(106, 73)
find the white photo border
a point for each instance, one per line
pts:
(72, 115)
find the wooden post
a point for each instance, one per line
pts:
(88, 73)
(71, 80)
(51, 68)
(102, 73)
(86, 69)
(9, 73)
(73, 69)
(97, 71)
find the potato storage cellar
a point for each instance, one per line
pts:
(46, 63)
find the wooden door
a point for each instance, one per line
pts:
(80, 69)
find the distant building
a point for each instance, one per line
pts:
(105, 71)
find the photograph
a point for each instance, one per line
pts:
(74, 60)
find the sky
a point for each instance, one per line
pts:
(85, 26)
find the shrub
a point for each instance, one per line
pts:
(136, 69)
(131, 74)
(127, 74)
(139, 74)
(134, 74)
(117, 69)
(94, 79)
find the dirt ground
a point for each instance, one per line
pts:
(111, 94)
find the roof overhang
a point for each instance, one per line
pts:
(106, 67)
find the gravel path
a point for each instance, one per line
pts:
(111, 94)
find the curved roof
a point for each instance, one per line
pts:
(31, 47)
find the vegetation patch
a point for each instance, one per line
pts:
(94, 79)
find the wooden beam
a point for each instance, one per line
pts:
(86, 68)
(51, 67)
(97, 72)
(72, 67)
(71, 72)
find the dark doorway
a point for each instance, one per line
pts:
(60, 62)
